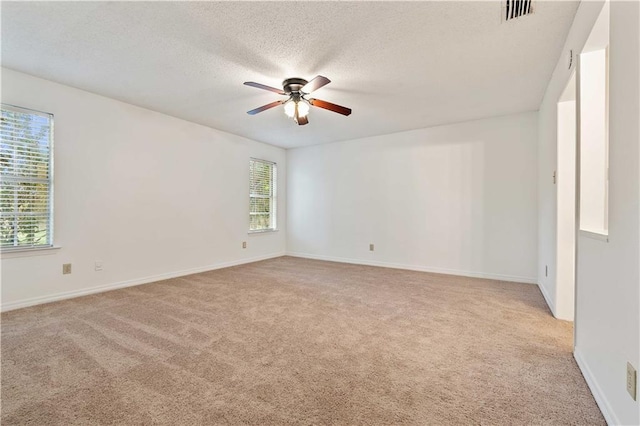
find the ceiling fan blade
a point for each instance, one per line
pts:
(265, 107)
(331, 107)
(315, 84)
(263, 87)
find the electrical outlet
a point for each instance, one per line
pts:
(632, 379)
(371, 247)
(98, 265)
(66, 268)
(244, 244)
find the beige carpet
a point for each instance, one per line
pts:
(294, 341)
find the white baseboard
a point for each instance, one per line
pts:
(145, 280)
(598, 395)
(436, 270)
(129, 283)
(548, 299)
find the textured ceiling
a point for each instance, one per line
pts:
(398, 65)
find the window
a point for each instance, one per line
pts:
(262, 195)
(26, 150)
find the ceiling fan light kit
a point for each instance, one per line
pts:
(297, 105)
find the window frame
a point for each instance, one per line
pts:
(50, 235)
(273, 199)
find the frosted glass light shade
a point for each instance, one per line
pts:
(290, 108)
(303, 109)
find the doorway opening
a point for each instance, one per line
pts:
(582, 161)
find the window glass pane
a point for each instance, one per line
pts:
(32, 230)
(259, 222)
(261, 178)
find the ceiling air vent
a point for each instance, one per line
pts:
(516, 8)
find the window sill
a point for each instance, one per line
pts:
(601, 236)
(26, 252)
(262, 231)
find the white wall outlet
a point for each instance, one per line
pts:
(66, 268)
(371, 247)
(632, 381)
(98, 265)
(244, 244)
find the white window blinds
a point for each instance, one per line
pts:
(26, 170)
(262, 195)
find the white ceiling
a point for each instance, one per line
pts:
(398, 65)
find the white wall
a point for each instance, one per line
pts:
(458, 199)
(608, 274)
(583, 23)
(149, 195)
(566, 183)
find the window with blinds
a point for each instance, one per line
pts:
(26, 172)
(262, 195)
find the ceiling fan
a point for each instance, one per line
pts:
(296, 106)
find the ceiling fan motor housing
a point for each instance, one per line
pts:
(292, 85)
